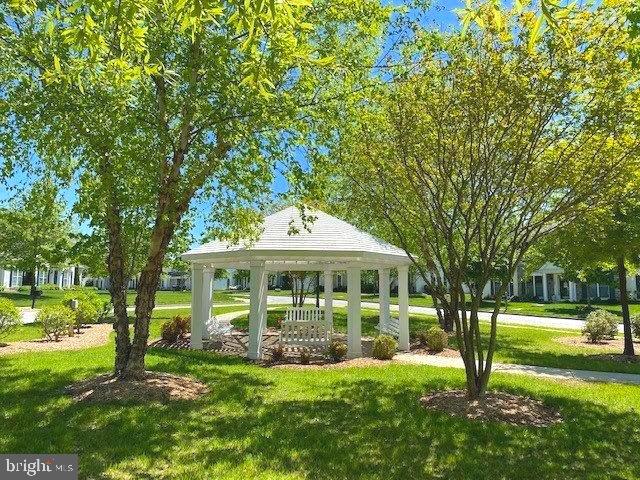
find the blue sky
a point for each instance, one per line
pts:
(439, 16)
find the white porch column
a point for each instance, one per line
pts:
(545, 289)
(258, 309)
(354, 326)
(207, 300)
(72, 281)
(60, 274)
(572, 292)
(556, 287)
(403, 307)
(197, 318)
(516, 284)
(384, 275)
(328, 298)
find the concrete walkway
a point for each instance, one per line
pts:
(541, 372)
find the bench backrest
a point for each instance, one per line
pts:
(305, 333)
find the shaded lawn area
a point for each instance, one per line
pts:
(515, 343)
(163, 297)
(350, 423)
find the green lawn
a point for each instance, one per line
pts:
(355, 423)
(163, 297)
(551, 309)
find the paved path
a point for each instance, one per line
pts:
(542, 372)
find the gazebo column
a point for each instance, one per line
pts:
(328, 298)
(403, 307)
(354, 326)
(258, 285)
(545, 288)
(207, 300)
(197, 318)
(384, 275)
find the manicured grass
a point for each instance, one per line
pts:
(163, 297)
(30, 331)
(551, 309)
(265, 423)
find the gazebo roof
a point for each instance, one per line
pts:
(328, 241)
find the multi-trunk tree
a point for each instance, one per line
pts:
(35, 231)
(155, 106)
(496, 137)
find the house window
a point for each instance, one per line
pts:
(537, 286)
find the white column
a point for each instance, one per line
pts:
(403, 307)
(556, 286)
(60, 273)
(384, 275)
(258, 305)
(545, 289)
(207, 298)
(197, 319)
(516, 284)
(73, 277)
(572, 292)
(354, 326)
(598, 291)
(328, 298)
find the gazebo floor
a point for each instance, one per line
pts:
(237, 344)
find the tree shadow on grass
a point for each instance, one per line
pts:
(353, 423)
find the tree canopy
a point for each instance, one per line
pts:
(154, 106)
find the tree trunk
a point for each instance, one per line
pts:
(118, 280)
(145, 298)
(624, 303)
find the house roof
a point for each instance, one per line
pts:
(284, 238)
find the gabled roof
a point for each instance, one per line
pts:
(284, 237)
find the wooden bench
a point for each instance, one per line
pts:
(305, 327)
(393, 328)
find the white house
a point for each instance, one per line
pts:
(63, 277)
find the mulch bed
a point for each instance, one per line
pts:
(417, 348)
(155, 386)
(496, 406)
(326, 364)
(89, 336)
(582, 341)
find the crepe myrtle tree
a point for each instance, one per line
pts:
(158, 106)
(497, 137)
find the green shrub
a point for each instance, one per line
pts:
(337, 351)
(436, 339)
(421, 336)
(305, 357)
(175, 328)
(600, 325)
(384, 347)
(91, 307)
(56, 320)
(277, 353)
(635, 326)
(9, 317)
(49, 286)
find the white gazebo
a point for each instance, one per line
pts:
(327, 244)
